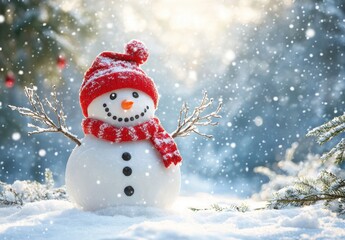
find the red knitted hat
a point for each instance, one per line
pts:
(111, 71)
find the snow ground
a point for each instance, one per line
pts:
(57, 219)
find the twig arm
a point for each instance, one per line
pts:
(39, 114)
(188, 124)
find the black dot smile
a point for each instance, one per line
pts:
(126, 119)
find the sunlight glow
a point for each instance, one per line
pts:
(69, 5)
(186, 27)
(194, 39)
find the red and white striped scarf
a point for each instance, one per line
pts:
(151, 130)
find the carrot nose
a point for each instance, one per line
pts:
(126, 105)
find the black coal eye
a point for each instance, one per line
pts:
(113, 96)
(135, 94)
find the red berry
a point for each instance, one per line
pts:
(61, 62)
(10, 80)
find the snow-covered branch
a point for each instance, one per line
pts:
(285, 172)
(326, 132)
(242, 207)
(327, 187)
(188, 124)
(39, 114)
(21, 192)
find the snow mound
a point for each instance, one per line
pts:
(58, 219)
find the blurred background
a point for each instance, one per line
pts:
(277, 67)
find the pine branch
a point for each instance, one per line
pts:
(337, 151)
(303, 201)
(39, 114)
(188, 124)
(328, 131)
(327, 188)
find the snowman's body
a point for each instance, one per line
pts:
(126, 157)
(101, 174)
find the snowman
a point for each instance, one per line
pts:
(126, 157)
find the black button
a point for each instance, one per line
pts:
(127, 171)
(129, 190)
(126, 156)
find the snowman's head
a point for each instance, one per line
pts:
(122, 107)
(115, 89)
